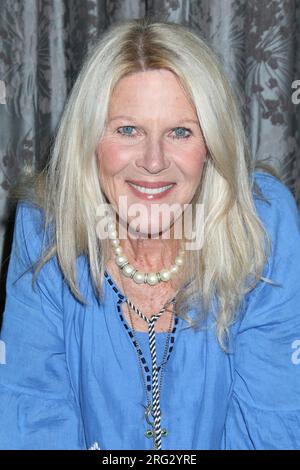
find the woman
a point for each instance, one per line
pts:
(146, 340)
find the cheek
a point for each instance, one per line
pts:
(192, 164)
(111, 157)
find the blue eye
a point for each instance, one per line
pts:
(182, 131)
(126, 128)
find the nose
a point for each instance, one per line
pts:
(153, 158)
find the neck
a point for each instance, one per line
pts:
(150, 254)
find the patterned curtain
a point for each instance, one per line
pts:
(43, 43)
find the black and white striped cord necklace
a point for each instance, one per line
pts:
(153, 407)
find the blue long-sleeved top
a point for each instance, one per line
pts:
(69, 376)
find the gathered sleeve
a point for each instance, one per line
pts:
(264, 412)
(38, 409)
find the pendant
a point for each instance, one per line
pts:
(150, 433)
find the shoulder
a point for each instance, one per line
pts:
(279, 215)
(278, 211)
(277, 194)
(31, 242)
(28, 215)
(29, 230)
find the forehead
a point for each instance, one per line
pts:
(152, 88)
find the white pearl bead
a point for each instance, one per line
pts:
(139, 277)
(111, 227)
(115, 242)
(128, 270)
(120, 260)
(181, 252)
(118, 250)
(178, 261)
(174, 269)
(165, 275)
(152, 279)
(113, 234)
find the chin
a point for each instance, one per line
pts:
(146, 230)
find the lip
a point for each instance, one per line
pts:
(150, 197)
(153, 185)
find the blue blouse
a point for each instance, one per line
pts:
(69, 374)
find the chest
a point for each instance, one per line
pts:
(148, 299)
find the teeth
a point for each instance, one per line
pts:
(142, 189)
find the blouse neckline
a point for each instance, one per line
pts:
(121, 299)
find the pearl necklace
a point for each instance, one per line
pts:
(140, 277)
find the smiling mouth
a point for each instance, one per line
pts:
(151, 191)
(146, 190)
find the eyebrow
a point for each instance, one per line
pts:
(130, 118)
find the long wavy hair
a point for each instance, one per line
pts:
(236, 245)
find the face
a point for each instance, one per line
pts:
(152, 151)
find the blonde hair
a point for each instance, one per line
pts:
(236, 245)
